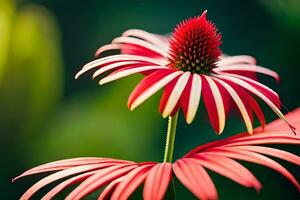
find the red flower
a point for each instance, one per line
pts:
(122, 177)
(188, 65)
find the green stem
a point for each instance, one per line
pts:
(169, 149)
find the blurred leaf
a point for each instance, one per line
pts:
(100, 125)
(286, 12)
(33, 78)
(7, 9)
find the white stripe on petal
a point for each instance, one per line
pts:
(219, 103)
(228, 60)
(142, 43)
(112, 66)
(239, 104)
(107, 48)
(154, 88)
(194, 99)
(245, 67)
(121, 74)
(254, 91)
(118, 58)
(175, 94)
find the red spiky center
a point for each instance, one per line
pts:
(195, 45)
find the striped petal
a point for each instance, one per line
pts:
(191, 98)
(230, 60)
(239, 104)
(249, 87)
(213, 103)
(175, 94)
(149, 85)
(250, 68)
(126, 72)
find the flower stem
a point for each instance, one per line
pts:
(169, 149)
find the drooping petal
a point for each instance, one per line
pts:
(255, 158)
(213, 103)
(228, 168)
(191, 98)
(239, 104)
(157, 181)
(195, 178)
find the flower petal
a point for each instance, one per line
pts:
(149, 85)
(157, 181)
(130, 182)
(239, 104)
(229, 60)
(195, 178)
(175, 94)
(126, 72)
(99, 179)
(245, 67)
(213, 103)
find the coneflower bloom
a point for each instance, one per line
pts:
(188, 65)
(120, 178)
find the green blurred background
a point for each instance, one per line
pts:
(46, 115)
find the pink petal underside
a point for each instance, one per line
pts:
(266, 137)
(152, 38)
(130, 182)
(62, 174)
(229, 168)
(195, 178)
(140, 51)
(157, 181)
(140, 44)
(67, 183)
(98, 180)
(284, 155)
(254, 158)
(109, 189)
(210, 104)
(292, 117)
(68, 163)
(147, 82)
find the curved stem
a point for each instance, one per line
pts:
(169, 149)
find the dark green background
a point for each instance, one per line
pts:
(46, 115)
